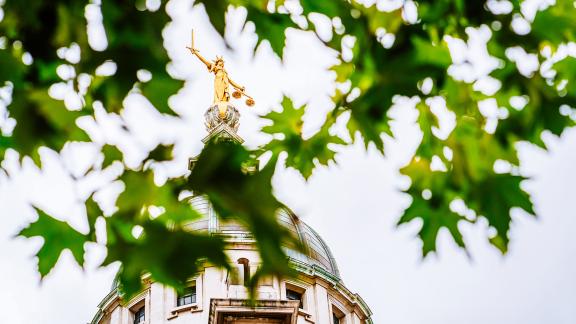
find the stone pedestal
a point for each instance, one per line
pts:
(222, 121)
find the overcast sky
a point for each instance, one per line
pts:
(353, 204)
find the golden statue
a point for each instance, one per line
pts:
(221, 81)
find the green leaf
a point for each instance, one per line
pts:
(5, 144)
(391, 21)
(566, 69)
(328, 8)
(93, 211)
(129, 33)
(236, 191)
(216, 10)
(170, 256)
(429, 146)
(434, 212)
(302, 153)
(111, 154)
(42, 120)
(493, 198)
(560, 19)
(141, 192)
(271, 27)
(287, 121)
(162, 153)
(435, 215)
(367, 116)
(159, 89)
(429, 54)
(376, 74)
(58, 236)
(12, 68)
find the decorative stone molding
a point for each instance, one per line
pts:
(335, 283)
(222, 133)
(215, 117)
(224, 311)
(192, 308)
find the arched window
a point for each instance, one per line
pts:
(245, 270)
(139, 315)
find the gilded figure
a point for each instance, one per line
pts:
(222, 81)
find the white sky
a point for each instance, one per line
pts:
(353, 204)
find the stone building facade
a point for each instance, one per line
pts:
(316, 295)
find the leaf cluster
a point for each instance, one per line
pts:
(41, 39)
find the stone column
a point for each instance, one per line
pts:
(323, 313)
(157, 304)
(213, 286)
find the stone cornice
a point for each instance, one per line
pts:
(334, 282)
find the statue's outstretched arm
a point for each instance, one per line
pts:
(200, 57)
(236, 85)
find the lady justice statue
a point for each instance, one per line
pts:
(221, 82)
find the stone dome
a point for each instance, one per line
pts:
(316, 255)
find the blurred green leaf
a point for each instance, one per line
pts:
(158, 91)
(58, 236)
(12, 69)
(379, 57)
(161, 153)
(493, 198)
(302, 153)
(42, 120)
(560, 19)
(429, 146)
(111, 154)
(271, 27)
(224, 175)
(216, 9)
(428, 53)
(435, 215)
(288, 121)
(169, 256)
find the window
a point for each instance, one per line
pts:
(188, 297)
(335, 319)
(337, 315)
(294, 295)
(240, 274)
(139, 316)
(245, 270)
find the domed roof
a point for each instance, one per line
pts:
(316, 251)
